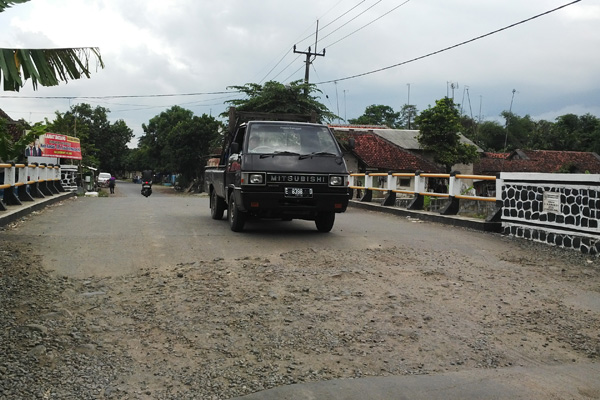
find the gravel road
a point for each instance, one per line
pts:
(217, 328)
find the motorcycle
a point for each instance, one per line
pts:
(146, 188)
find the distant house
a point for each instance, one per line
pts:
(375, 153)
(405, 140)
(545, 161)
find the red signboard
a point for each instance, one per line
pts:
(60, 146)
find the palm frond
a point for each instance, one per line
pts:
(47, 67)
(4, 4)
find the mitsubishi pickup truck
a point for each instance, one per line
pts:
(277, 169)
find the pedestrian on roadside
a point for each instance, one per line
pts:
(111, 184)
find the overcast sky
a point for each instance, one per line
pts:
(200, 47)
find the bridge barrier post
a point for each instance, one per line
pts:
(390, 197)
(368, 196)
(43, 180)
(418, 201)
(497, 214)
(57, 180)
(34, 181)
(453, 204)
(50, 178)
(10, 198)
(3, 184)
(22, 183)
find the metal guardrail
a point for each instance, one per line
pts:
(24, 182)
(419, 190)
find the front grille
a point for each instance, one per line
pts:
(297, 179)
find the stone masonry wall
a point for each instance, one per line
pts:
(571, 217)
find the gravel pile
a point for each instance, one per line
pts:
(217, 329)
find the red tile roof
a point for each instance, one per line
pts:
(379, 153)
(545, 161)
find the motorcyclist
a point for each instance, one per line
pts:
(147, 182)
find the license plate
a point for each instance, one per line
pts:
(298, 192)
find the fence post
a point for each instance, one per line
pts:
(497, 215)
(418, 201)
(368, 196)
(22, 183)
(9, 194)
(33, 172)
(453, 204)
(390, 197)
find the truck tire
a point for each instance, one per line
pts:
(236, 218)
(217, 206)
(324, 221)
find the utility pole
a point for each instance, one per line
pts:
(408, 104)
(508, 118)
(308, 61)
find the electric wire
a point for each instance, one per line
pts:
(336, 19)
(364, 26)
(352, 19)
(449, 47)
(318, 83)
(287, 52)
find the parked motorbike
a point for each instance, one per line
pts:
(146, 188)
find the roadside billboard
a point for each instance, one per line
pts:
(60, 146)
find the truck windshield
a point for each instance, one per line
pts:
(290, 139)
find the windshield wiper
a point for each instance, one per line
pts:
(279, 153)
(317, 153)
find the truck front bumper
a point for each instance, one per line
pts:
(271, 204)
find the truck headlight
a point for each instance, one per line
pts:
(253, 178)
(256, 179)
(337, 180)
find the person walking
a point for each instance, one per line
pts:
(111, 184)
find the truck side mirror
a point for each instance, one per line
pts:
(235, 148)
(351, 143)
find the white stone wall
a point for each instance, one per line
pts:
(558, 209)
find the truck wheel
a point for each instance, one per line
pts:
(217, 206)
(324, 221)
(237, 218)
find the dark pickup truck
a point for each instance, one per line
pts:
(279, 169)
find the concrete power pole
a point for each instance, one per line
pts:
(308, 61)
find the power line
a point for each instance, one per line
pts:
(364, 26)
(450, 47)
(341, 26)
(121, 96)
(302, 40)
(336, 19)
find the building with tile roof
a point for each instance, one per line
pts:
(382, 149)
(545, 161)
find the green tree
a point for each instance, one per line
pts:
(518, 131)
(491, 136)
(275, 97)
(439, 128)
(102, 144)
(539, 137)
(589, 133)
(177, 141)
(47, 67)
(12, 150)
(377, 114)
(408, 112)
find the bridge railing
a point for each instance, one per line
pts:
(25, 182)
(420, 188)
